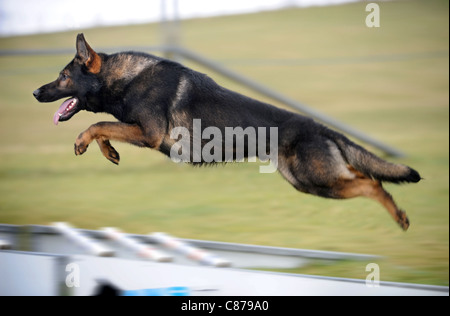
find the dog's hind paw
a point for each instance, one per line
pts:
(403, 220)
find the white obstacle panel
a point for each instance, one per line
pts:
(140, 249)
(193, 253)
(55, 267)
(81, 240)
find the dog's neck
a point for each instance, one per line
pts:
(124, 67)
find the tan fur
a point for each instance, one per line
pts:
(126, 67)
(363, 186)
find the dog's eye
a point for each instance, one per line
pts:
(64, 77)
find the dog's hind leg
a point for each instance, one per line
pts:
(345, 189)
(322, 171)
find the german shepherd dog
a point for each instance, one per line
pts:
(149, 96)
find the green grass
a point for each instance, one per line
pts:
(390, 82)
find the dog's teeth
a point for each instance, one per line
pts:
(60, 114)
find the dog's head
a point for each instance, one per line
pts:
(78, 80)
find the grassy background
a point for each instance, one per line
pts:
(390, 82)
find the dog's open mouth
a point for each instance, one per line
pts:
(66, 110)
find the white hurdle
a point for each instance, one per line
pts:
(142, 250)
(5, 244)
(189, 251)
(89, 245)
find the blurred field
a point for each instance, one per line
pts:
(391, 82)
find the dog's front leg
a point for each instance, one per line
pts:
(102, 132)
(108, 151)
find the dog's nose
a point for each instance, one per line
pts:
(36, 93)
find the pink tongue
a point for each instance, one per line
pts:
(61, 111)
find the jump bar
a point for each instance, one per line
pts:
(5, 244)
(80, 239)
(189, 251)
(142, 250)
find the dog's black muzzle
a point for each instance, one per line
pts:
(36, 93)
(50, 93)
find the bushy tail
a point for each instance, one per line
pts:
(373, 166)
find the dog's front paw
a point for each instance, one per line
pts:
(80, 148)
(108, 151)
(113, 156)
(81, 144)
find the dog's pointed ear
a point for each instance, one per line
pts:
(87, 56)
